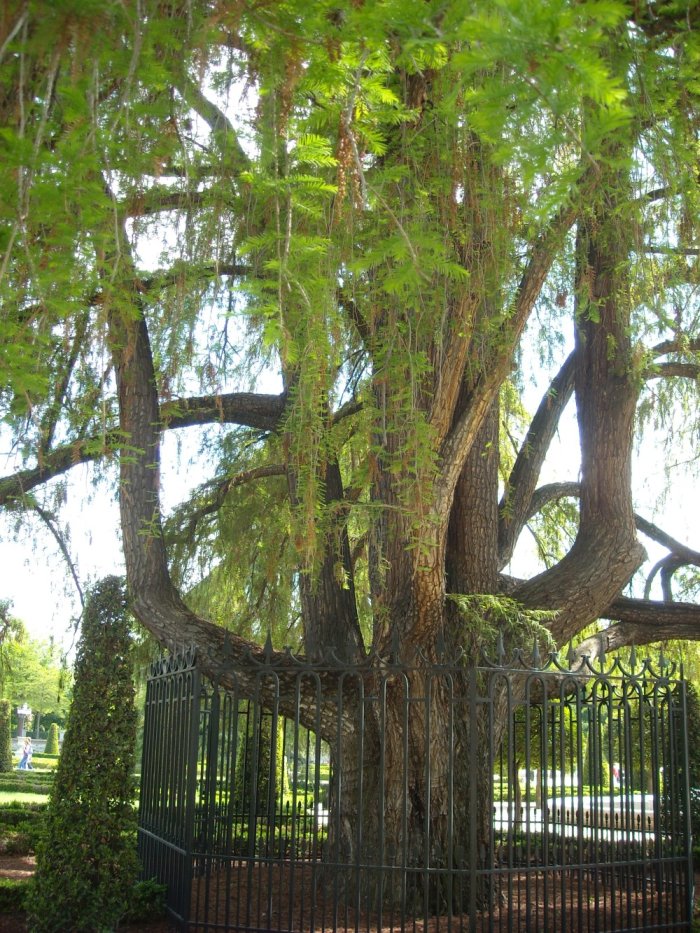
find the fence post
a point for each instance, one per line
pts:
(191, 789)
(473, 822)
(685, 772)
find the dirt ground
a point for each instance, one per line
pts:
(23, 867)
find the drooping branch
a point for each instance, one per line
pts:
(50, 523)
(214, 494)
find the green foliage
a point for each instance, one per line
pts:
(32, 671)
(52, 741)
(14, 894)
(490, 618)
(5, 736)
(86, 861)
(260, 767)
(26, 782)
(342, 192)
(146, 902)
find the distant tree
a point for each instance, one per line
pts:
(86, 860)
(5, 736)
(52, 747)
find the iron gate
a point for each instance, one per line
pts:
(561, 801)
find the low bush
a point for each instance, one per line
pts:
(44, 759)
(146, 902)
(16, 810)
(26, 782)
(13, 894)
(17, 841)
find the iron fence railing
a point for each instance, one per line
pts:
(444, 797)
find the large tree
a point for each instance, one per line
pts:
(372, 200)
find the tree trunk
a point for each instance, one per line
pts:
(411, 795)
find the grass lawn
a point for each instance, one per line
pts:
(10, 796)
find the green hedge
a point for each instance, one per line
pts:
(13, 894)
(86, 861)
(52, 741)
(5, 736)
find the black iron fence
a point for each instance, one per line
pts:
(426, 796)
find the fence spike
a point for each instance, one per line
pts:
(500, 648)
(633, 658)
(662, 660)
(571, 655)
(536, 657)
(268, 650)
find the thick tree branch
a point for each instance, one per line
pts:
(221, 127)
(680, 554)
(165, 279)
(643, 622)
(250, 409)
(247, 409)
(461, 437)
(242, 408)
(606, 551)
(679, 344)
(515, 506)
(665, 370)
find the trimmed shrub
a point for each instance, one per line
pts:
(52, 741)
(13, 894)
(147, 902)
(5, 736)
(86, 860)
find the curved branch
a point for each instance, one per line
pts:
(516, 505)
(677, 548)
(550, 493)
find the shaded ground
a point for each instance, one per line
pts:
(23, 867)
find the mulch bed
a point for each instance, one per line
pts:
(286, 897)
